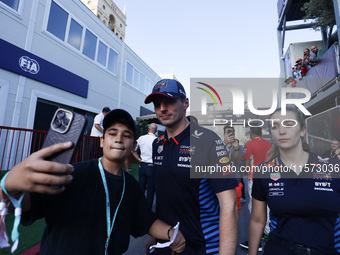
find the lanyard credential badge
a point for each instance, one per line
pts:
(108, 209)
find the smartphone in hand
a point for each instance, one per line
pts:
(230, 131)
(65, 126)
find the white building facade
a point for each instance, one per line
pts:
(57, 53)
(108, 12)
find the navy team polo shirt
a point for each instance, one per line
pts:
(190, 201)
(305, 209)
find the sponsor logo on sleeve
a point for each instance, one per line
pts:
(184, 159)
(221, 153)
(276, 194)
(323, 160)
(160, 149)
(322, 176)
(184, 165)
(160, 138)
(185, 149)
(323, 186)
(196, 134)
(276, 184)
(224, 160)
(276, 189)
(220, 147)
(218, 142)
(275, 176)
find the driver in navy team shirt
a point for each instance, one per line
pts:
(302, 191)
(205, 207)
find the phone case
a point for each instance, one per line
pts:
(73, 133)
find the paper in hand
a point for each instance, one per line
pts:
(167, 244)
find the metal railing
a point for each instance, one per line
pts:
(16, 144)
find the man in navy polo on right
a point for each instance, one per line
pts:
(205, 207)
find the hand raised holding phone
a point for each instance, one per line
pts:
(48, 170)
(35, 174)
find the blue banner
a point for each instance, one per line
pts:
(22, 62)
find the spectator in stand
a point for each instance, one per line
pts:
(294, 71)
(298, 65)
(256, 151)
(318, 53)
(290, 80)
(334, 152)
(302, 67)
(307, 57)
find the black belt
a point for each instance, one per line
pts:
(149, 164)
(296, 249)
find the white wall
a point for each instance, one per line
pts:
(27, 30)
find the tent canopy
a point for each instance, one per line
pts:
(150, 118)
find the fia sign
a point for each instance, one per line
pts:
(28, 64)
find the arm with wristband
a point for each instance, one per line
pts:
(34, 174)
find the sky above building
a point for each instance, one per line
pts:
(218, 38)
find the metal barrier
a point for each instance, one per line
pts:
(16, 144)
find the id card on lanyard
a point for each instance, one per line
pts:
(108, 209)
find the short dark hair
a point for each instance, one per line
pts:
(124, 122)
(336, 139)
(106, 109)
(228, 126)
(256, 131)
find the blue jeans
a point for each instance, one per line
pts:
(146, 177)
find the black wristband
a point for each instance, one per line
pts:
(169, 231)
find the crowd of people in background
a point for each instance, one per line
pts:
(303, 65)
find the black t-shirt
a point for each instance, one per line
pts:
(76, 218)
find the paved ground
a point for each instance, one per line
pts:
(137, 244)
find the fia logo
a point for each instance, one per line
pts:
(29, 65)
